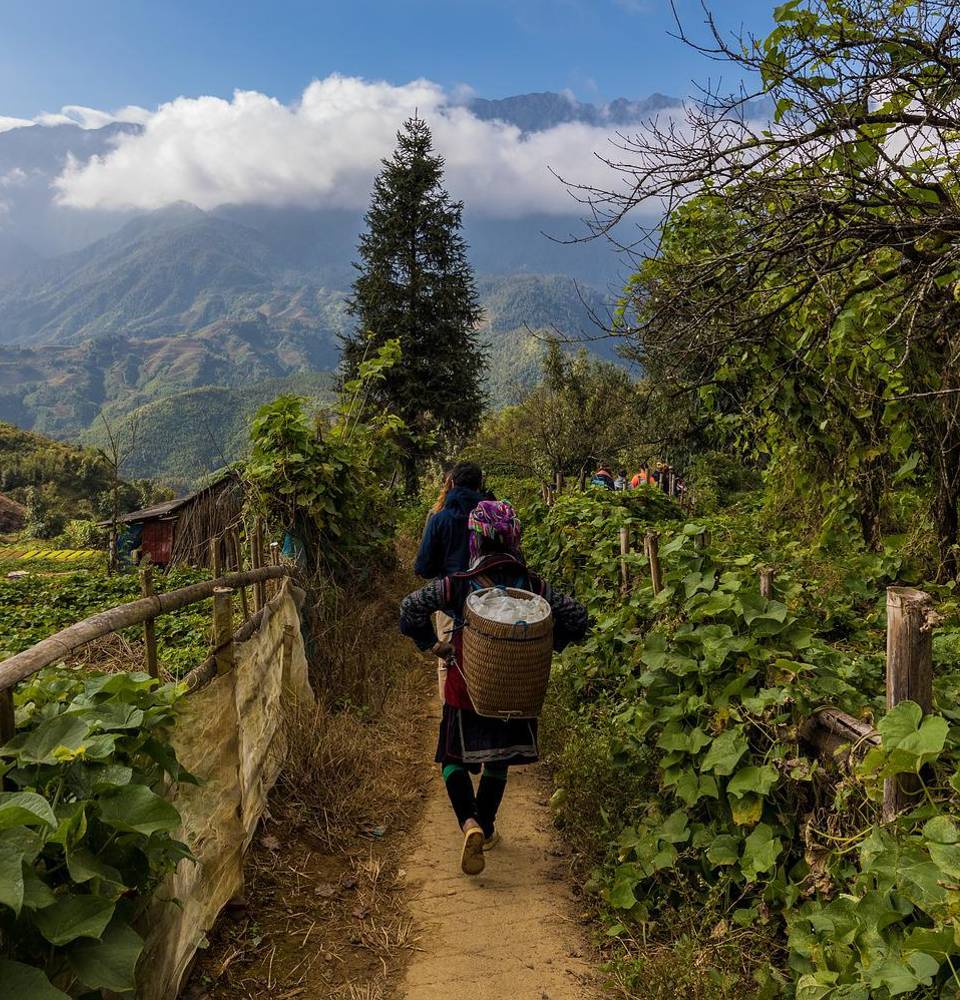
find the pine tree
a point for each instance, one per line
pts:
(415, 284)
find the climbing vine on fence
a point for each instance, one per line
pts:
(713, 680)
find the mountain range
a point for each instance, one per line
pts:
(184, 321)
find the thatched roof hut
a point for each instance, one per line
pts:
(179, 531)
(13, 516)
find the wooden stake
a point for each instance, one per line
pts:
(910, 622)
(149, 626)
(238, 566)
(767, 575)
(673, 482)
(255, 564)
(702, 540)
(275, 561)
(624, 552)
(223, 629)
(261, 561)
(559, 483)
(652, 544)
(216, 560)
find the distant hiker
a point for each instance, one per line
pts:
(639, 479)
(620, 483)
(444, 548)
(603, 478)
(665, 474)
(469, 741)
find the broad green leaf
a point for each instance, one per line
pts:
(760, 851)
(676, 736)
(24, 982)
(25, 809)
(758, 780)
(52, 739)
(84, 865)
(109, 963)
(941, 830)
(725, 850)
(73, 916)
(36, 893)
(11, 877)
(725, 751)
(136, 809)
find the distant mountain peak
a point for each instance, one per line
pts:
(536, 112)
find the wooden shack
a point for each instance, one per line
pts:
(13, 516)
(178, 532)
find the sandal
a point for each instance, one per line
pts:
(472, 861)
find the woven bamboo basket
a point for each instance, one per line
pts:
(507, 667)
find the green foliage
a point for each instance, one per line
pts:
(84, 836)
(707, 683)
(323, 483)
(56, 472)
(583, 411)
(415, 285)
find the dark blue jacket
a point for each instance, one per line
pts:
(445, 545)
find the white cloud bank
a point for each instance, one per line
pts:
(324, 150)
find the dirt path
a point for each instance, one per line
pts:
(508, 934)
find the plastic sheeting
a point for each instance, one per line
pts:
(230, 735)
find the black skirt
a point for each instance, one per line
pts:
(471, 739)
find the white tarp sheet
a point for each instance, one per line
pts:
(230, 735)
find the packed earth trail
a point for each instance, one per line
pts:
(507, 934)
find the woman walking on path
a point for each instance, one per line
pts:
(443, 548)
(469, 741)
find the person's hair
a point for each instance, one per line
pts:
(623, 473)
(467, 474)
(444, 490)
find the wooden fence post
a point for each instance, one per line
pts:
(223, 629)
(702, 540)
(624, 552)
(149, 626)
(238, 566)
(255, 563)
(910, 621)
(582, 480)
(652, 544)
(767, 575)
(559, 483)
(673, 482)
(216, 559)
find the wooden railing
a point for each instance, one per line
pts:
(143, 612)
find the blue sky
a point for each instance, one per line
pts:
(108, 53)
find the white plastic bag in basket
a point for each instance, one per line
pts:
(498, 606)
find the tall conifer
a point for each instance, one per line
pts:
(415, 284)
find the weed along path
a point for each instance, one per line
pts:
(507, 934)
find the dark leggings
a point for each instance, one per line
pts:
(484, 805)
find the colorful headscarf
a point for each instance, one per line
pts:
(498, 521)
